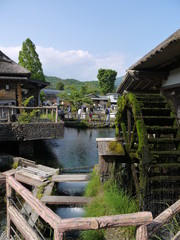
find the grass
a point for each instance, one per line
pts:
(49, 116)
(108, 200)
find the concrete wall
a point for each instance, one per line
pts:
(30, 131)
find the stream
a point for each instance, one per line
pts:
(76, 152)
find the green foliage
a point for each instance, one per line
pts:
(27, 116)
(107, 78)
(108, 200)
(94, 185)
(109, 103)
(60, 86)
(49, 116)
(29, 59)
(75, 97)
(92, 86)
(42, 97)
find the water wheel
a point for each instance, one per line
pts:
(150, 132)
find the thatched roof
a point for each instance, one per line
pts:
(153, 68)
(10, 68)
(162, 56)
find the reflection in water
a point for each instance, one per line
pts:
(71, 188)
(67, 212)
(78, 147)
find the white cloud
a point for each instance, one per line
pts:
(77, 64)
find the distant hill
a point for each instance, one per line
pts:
(92, 85)
(118, 81)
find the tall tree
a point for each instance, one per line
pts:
(107, 78)
(29, 59)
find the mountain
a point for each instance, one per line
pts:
(91, 85)
(118, 81)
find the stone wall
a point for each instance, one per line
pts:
(31, 131)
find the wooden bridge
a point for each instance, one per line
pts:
(33, 175)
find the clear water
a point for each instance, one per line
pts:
(70, 212)
(76, 150)
(71, 188)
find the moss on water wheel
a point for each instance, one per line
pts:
(148, 125)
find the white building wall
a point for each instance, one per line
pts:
(173, 78)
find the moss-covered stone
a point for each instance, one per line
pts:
(116, 148)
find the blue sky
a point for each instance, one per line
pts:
(74, 38)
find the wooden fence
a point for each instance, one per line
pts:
(146, 225)
(6, 112)
(60, 226)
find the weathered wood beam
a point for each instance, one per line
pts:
(28, 179)
(71, 178)
(141, 233)
(65, 200)
(123, 220)
(176, 237)
(21, 224)
(163, 218)
(44, 212)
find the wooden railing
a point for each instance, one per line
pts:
(60, 226)
(7, 111)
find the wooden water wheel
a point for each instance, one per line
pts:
(150, 132)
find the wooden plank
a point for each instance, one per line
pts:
(122, 220)
(65, 200)
(141, 233)
(32, 175)
(9, 172)
(71, 178)
(37, 172)
(48, 169)
(163, 218)
(21, 224)
(47, 214)
(26, 162)
(28, 180)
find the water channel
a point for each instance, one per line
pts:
(76, 152)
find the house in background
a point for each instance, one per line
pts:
(158, 71)
(14, 80)
(100, 102)
(51, 96)
(15, 86)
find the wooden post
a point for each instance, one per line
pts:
(141, 233)
(129, 125)
(58, 235)
(8, 195)
(46, 112)
(52, 112)
(56, 114)
(163, 218)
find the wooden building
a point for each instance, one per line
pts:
(157, 71)
(14, 77)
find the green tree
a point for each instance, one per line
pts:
(75, 97)
(60, 86)
(107, 78)
(29, 59)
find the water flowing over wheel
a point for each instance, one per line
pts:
(150, 131)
